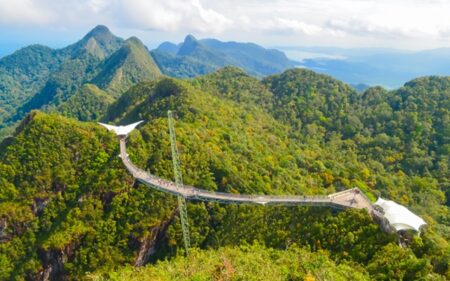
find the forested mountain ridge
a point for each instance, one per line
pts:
(68, 206)
(385, 67)
(42, 78)
(38, 77)
(194, 57)
(99, 42)
(22, 74)
(129, 65)
(243, 263)
(87, 104)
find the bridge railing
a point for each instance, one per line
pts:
(258, 196)
(193, 191)
(202, 194)
(365, 196)
(336, 194)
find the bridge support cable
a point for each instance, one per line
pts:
(179, 184)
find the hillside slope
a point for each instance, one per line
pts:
(56, 73)
(129, 65)
(67, 206)
(194, 57)
(22, 74)
(89, 103)
(242, 263)
(42, 78)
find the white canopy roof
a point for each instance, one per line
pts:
(121, 130)
(399, 217)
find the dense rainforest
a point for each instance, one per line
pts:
(39, 77)
(194, 57)
(70, 211)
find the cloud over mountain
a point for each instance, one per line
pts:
(345, 20)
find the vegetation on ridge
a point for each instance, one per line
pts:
(38, 77)
(297, 132)
(193, 57)
(242, 263)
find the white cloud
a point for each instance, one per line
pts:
(293, 26)
(97, 5)
(173, 15)
(382, 22)
(23, 12)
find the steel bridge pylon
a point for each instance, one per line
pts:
(182, 208)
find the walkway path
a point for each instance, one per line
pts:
(351, 198)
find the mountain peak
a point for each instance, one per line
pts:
(135, 41)
(189, 45)
(130, 64)
(99, 42)
(169, 47)
(99, 32)
(190, 38)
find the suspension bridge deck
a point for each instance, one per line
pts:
(351, 198)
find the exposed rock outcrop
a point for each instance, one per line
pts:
(147, 245)
(53, 261)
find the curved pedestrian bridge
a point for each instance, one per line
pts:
(351, 198)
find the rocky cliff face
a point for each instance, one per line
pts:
(148, 244)
(53, 261)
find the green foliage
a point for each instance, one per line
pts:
(89, 103)
(22, 74)
(232, 83)
(313, 102)
(129, 65)
(69, 205)
(68, 196)
(181, 67)
(38, 77)
(242, 263)
(395, 263)
(198, 57)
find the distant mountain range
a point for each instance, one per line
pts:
(373, 66)
(102, 66)
(69, 208)
(359, 67)
(38, 77)
(196, 57)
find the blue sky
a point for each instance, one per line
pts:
(401, 24)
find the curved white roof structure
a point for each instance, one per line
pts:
(121, 130)
(398, 216)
